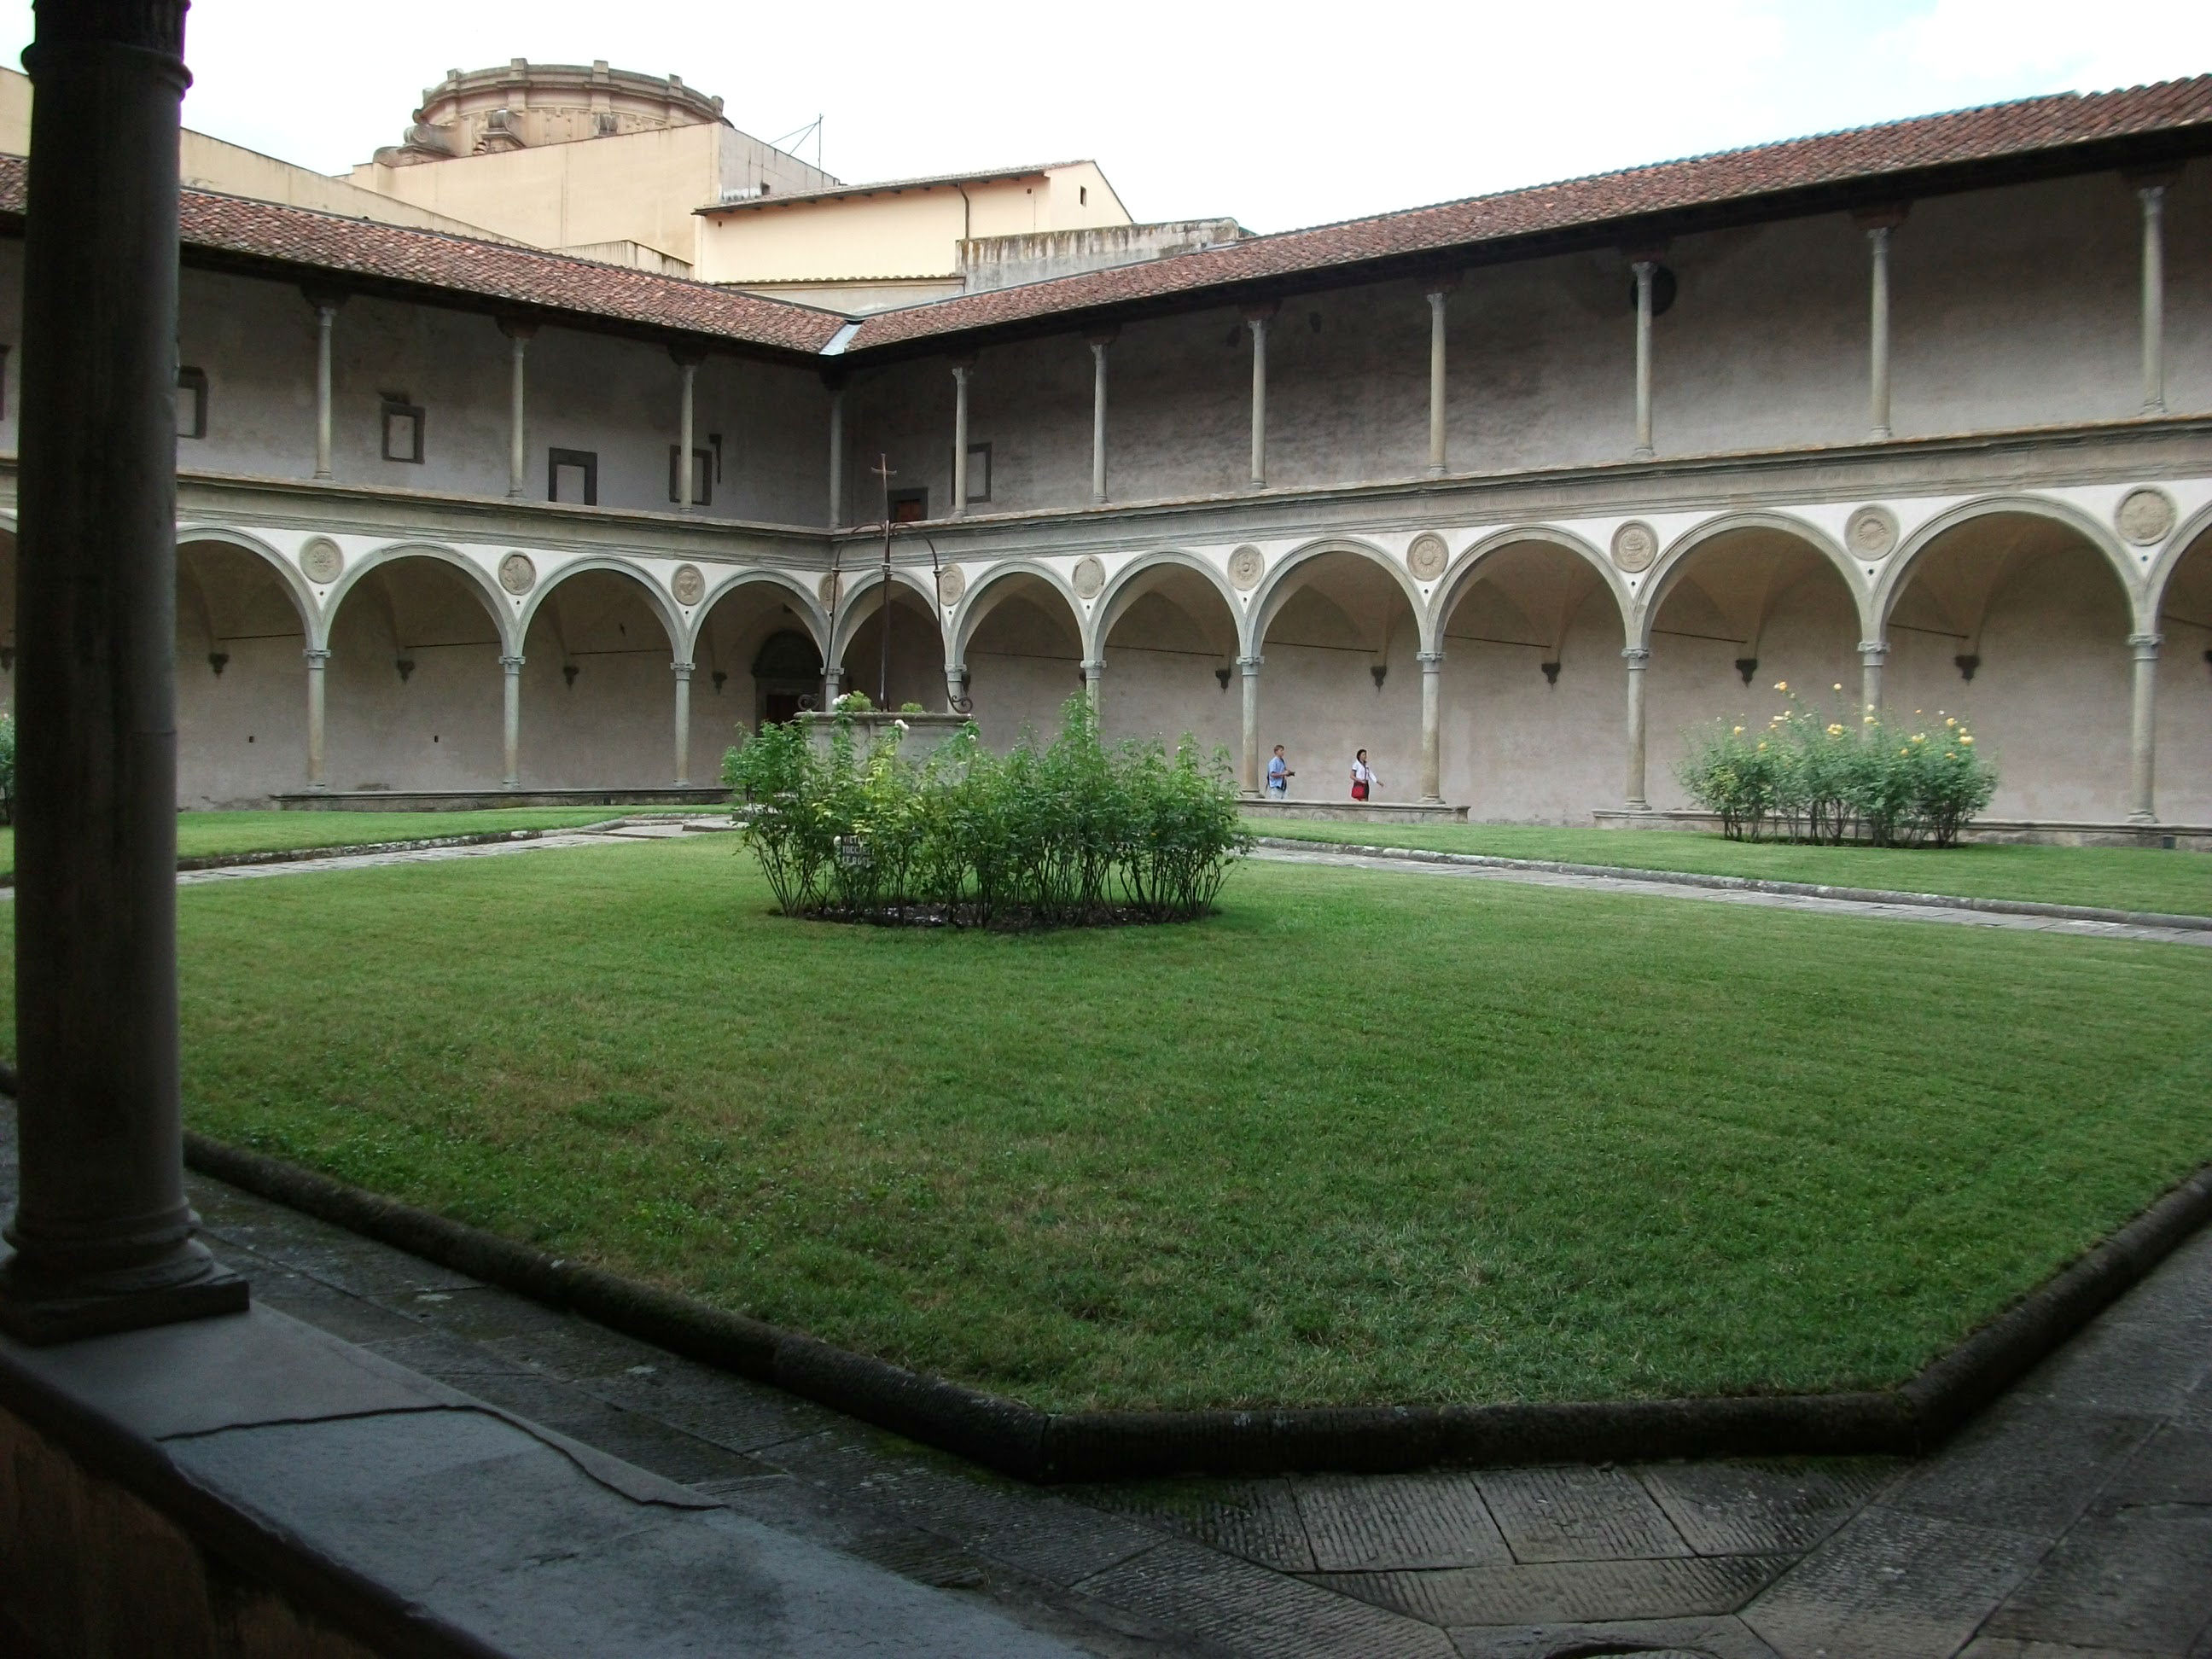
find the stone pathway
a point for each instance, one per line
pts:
(2073, 1521)
(1826, 907)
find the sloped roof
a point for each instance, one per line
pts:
(1895, 150)
(886, 186)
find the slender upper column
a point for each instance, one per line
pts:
(961, 368)
(1255, 318)
(836, 453)
(689, 362)
(511, 724)
(683, 724)
(1432, 670)
(2142, 730)
(1638, 658)
(1094, 670)
(1099, 341)
(1644, 269)
(102, 1233)
(318, 660)
(1873, 653)
(327, 315)
(517, 449)
(1438, 297)
(1251, 769)
(2151, 191)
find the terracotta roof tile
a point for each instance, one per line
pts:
(1965, 136)
(496, 270)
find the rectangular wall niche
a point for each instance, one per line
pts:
(573, 475)
(702, 476)
(403, 428)
(979, 472)
(909, 506)
(191, 402)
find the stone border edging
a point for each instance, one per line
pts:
(1755, 885)
(1046, 1447)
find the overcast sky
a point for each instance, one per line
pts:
(1278, 115)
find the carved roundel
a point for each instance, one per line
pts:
(322, 561)
(829, 588)
(1871, 533)
(687, 585)
(1246, 566)
(1427, 558)
(517, 574)
(951, 583)
(1090, 578)
(1635, 545)
(2145, 516)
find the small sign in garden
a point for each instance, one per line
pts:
(1072, 835)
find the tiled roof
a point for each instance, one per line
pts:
(838, 193)
(525, 277)
(1992, 133)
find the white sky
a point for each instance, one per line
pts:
(1282, 115)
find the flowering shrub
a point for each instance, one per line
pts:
(1071, 834)
(1814, 777)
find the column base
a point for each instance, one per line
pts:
(42, 1315)
(1432, 800)
(1634, 806)
(2143, 818)
(1642, 452)
(1878, 434)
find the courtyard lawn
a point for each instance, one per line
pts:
(202, 834)
(1360, 1137)
(2120, 878)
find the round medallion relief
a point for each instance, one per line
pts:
(1246, 566)
(2145, 516)
(1635, 545)
(1427, 558)
(517, 574)
(687, 585)
(1871, 533)
(1090, 577)
(828, 589)
(322, 561)
(951, 583)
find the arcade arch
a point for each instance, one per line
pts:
(2183, 718)
(1168, 642)
(1338, 634)
(242, 716)
(1019, 639)
(414, 697)
(598, 694)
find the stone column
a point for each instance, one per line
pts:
(1432, 673)
(1873, 653)
(961, 366)
(518, 451)
(1094, 670)
(683, 724)
(1637, 656)
(2151, 193)
(2142, 730)
(956, 685)
(1437, 297)
(1099, 342)
(836, 454)
(102, 1233)
(832, 678)
(317, 661)
(1878, 333)
(1643, 269)
(1255, 318)
(1250, 666)
(511, 723)
(327, 315)
(689, 362)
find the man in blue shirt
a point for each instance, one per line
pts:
(1279, 775)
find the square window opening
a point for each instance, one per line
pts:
(573, 475)
(702, 476)
(909, 506)
(979, 472)
(403, 428)
(191, 402)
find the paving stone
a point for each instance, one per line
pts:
(2026, 1465)
(668, 1452)
(1725, 1638)
(2145, 1366)
(1371, 1522)
(1576, 1513)
(436, 1354)
(1248, 1610)
(1258, 1520)
(2007, 1646)
(1030, 1529)
(1560, 1591)
(481, 1313)
(2173, 1468)
(1764, 1508)
(2139, 1579)
(314, 1303)
(1891, 1585)
(711, 1404)
(573, 1348)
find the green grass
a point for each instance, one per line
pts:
(2121, 878)
(1360, 1137)
(207, 834)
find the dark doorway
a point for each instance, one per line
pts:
(787, 676)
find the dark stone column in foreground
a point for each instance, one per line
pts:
(102, 1234)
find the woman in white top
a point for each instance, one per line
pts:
(1362, 777)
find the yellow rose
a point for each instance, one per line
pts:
(1965, 739)
(1782, 685)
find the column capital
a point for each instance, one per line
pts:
(964, 366)
(1250, 666)
(1874, 652)
(1093, 667)
(1099, 338)
(1257, 316)
(2146, 645)
(1647, 253)
(316, 655)
(1439, 289)
(518, 329)
(687, 356)
(512, 665)
(1430, 661)
(2148, 182)
(1880, 215)
(681, 670)
(1636, 656)
(323, 300)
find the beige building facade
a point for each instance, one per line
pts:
(1515, 493)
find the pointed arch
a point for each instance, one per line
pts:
(1668, 570)
(1898, 573)
(1466, 571)
(311, 620)
(495, 599)
(993, 588)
